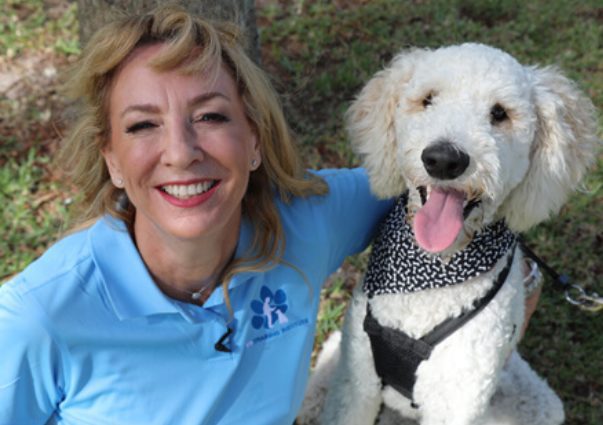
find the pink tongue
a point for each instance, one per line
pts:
(440, 220)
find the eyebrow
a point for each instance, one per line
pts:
(196, 101)
(147, 107)
(205, 97)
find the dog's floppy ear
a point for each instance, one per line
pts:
(564, 147)
(370, 124)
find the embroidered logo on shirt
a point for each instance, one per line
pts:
(269, 316)
(269, 309)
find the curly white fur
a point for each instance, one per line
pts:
(521, 169)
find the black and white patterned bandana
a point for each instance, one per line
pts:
(398, 265)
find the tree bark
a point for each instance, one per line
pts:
(92, 14)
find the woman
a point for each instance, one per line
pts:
(189, 294)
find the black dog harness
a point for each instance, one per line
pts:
(397, 355)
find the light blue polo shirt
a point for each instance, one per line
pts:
(88, 339)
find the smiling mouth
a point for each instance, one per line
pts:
(186, 191)
(441, 217)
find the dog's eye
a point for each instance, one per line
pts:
(498, 114)
(427, 100)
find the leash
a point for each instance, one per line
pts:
(574, 293)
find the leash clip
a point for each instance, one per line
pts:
(577, 295)
(574, 294)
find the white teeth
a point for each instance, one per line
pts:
(189, 190)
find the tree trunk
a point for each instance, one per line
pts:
(93, 14)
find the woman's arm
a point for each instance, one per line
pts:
(352, 211)
(29, 363)
(533, 286)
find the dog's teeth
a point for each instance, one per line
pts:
(423, 193)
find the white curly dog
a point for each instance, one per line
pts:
(483, 148)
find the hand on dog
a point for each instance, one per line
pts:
(531, 303)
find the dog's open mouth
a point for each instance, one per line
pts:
(440, 220)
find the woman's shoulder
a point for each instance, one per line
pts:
(349, 201)
(347, 188)
(50, 273)
(344, 184)
(342, 176)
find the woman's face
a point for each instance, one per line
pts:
(181, 147)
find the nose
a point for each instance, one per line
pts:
(181, 146)
(444, 161)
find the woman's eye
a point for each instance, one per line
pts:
(139, 126)
(212, 117)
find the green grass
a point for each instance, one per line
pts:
(31, 213)
(31, 27)
(319, 56)
(35, 40)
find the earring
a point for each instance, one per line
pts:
(118, 183)
(254, 163)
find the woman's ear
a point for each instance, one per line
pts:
(563, 148)
(256, 153)
(370, 124)
(113, 167)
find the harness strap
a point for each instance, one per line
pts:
(446, 328)
(397, 355)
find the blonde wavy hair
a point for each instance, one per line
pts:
(194, 45)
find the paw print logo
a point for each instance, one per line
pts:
(269, 309)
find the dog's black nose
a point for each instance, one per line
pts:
(444, 161)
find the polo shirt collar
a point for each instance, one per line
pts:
(130, 287)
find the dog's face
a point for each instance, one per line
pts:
(470, 133)
(464, 125)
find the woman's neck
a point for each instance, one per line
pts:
(180, 267)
